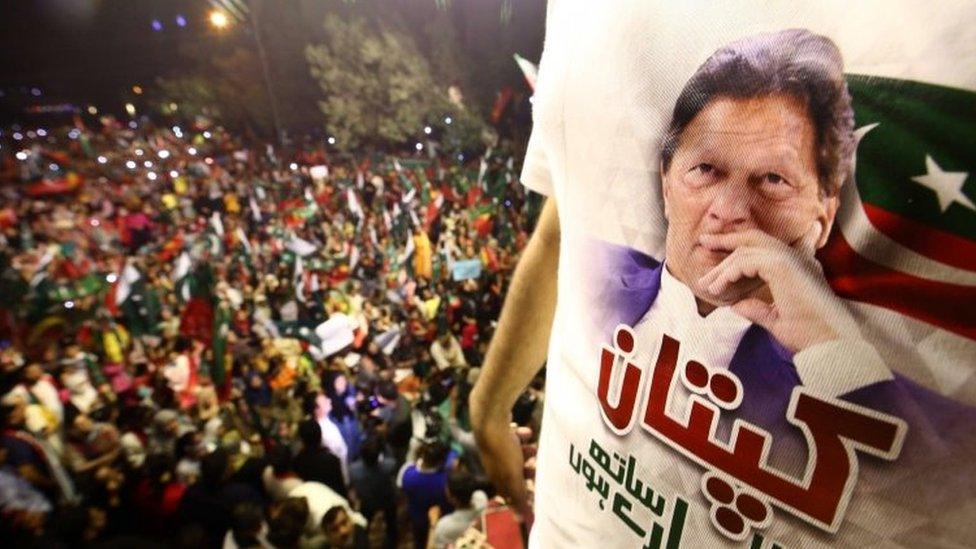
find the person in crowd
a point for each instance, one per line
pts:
(249, 530)
(372, 479)
(447, 352)
(287, 520)
(425, 482)
(314, 462)
(341, 532)
(468, 502)
(343, 397)
(395, 412)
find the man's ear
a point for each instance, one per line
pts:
(827, 216)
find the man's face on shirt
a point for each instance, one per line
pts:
(742, 164)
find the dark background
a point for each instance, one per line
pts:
(92, 52)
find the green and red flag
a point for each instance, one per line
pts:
(906, 231)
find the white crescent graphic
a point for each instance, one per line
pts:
(874, 245)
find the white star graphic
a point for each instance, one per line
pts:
(946, 185)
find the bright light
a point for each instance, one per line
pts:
(331, 140)
(95, 222)
(102, 160)
(140, 152)
(18, 136)
(151, 176)
(174, 173)
(460, 157)
(293, 166)
(92, 110)
(173, 107)
(192, 151)
(137, 89)
(318, 172)
(419, 146)
(36, 92)
(208, 161)
(427, 130)
(111, 278)
(180, 21)
(133, 124)
(207, 135)
(41, 132)
(164, 154)
(21, 155)
(54, 167)
(448, 120)
(130, 108)
(156, 25)
(218, 19)
(69, 304)
(73, 134)
(130, 164)
(148, 163)
(177, 131)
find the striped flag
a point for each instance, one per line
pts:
(354, 206)
(905, 239)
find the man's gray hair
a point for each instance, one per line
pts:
(797, 62)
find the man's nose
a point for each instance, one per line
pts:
(731, 204)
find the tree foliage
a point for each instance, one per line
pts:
(227, 88)
(377, 88)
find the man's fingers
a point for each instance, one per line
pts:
(808, 242)
(732, 241)
(716, 271)
(757, 311)
(741, 264)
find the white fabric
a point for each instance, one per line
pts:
(335, 333)
(608, 80)
(320, 499)
(332, 439)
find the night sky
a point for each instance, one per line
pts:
(93, 51)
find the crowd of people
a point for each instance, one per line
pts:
(211, 341)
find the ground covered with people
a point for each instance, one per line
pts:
(209, 340)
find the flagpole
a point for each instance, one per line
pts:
(265, 72)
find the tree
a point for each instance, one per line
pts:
(378, 89)
(227, 87)
(194, 95)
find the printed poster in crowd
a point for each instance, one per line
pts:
(466, 269)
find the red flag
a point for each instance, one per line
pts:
(196, 322)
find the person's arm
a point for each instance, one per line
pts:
(433, 517)
(80, 465)
(517, 351)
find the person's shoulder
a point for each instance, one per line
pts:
(313, 490)
(442, 532)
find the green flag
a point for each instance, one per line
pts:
(906, 238)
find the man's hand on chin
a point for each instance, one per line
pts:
(804, 310)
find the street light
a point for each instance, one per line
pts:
(218, 19)
(243, 10)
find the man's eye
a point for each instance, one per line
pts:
(704, 168)
(774, 179)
